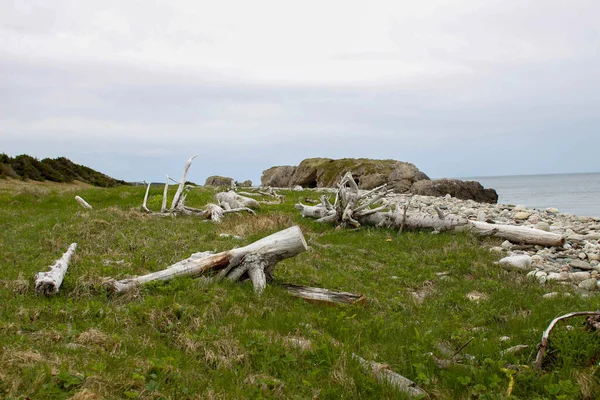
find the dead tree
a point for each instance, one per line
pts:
(255, 261)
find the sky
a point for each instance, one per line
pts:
(459, 88)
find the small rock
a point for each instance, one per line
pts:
(582, 256)
(580, 264)
(507, 245)
(588, 284)
(520, 263)
(522, 215)
(543, 226)
(593, 256)
(504, 338)
(559, 277)
(497, 249)
(552, 210)
(579, 276)
(537, 259)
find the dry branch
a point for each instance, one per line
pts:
(49, 282)
(318, 295)
(255, 261)
(545, 340)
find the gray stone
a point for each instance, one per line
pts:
(579, 276)
(522, 215)
(588, 284)
(580, 264)
(543, 226)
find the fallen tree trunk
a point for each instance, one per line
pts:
(519, 234)
(83, 203)
(48, 283)
(318, 295)
(255, 261)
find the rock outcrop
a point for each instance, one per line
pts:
(325, 172)
(216, 180)
(402, 177)
(464, 190)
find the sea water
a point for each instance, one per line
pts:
(577, 194)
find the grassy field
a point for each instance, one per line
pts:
(192, 339)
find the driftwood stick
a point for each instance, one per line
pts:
(144, 203)
(182, 182)
(163, 207)
(48, 283)
(83, 203)
(544, 343)
(262, 254)
(318, 295)
(234, 200)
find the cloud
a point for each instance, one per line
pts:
(459, 88)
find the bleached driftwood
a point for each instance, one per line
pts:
(319, 295)
(234, 200)
(49, 282)
(383, 373)
(519, 234)
(212, 212)
(545, 336)
(255, 261)
(83, 203)
(354, 209)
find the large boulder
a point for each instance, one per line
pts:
(278, 176)
(216, 180)
(465, 190)
(326, 172)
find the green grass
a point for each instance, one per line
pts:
(188, 339)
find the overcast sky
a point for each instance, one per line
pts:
(459, 88)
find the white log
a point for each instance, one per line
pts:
(383, 373)
(234, 200)
(319, 295)
(413, 220)
(232, 264)
(182, 182)
(313, 211)
(83, 203)
(519, 234)
(48, 283)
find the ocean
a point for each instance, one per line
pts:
(577, 194)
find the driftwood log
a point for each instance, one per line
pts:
(352, 208)
(255, 261)
(48, 283)
(83, 203)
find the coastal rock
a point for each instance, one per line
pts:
(401, 177)
(552, 210)
(543, 226)
(579, 276)
(246, 183)
(216, 180)
(278, 176)
(465, 190)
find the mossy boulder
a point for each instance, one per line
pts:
(217, 180)
(326, 172)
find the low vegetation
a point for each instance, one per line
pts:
(428, 296)
(59, 169)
